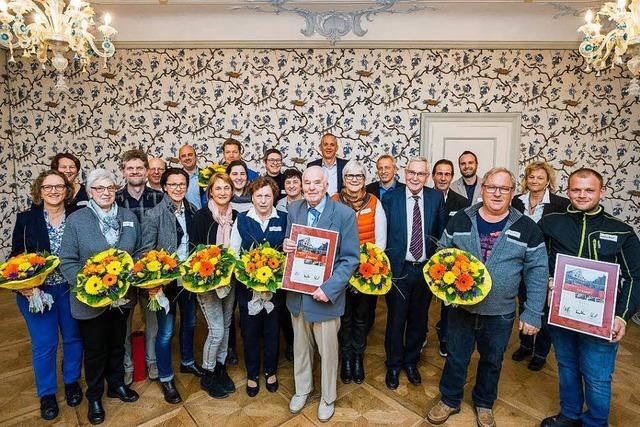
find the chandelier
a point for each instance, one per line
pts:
(40, 26)
(622, 39)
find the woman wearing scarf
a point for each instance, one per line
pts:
(212, 226)
(259, 310)
(89, 231)
(169, 226)
(372, 228)
(40, 229)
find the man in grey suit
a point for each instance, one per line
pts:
(316, 317)
(469, 184)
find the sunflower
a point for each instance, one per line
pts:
(464, 282)
(93, 285)
(206, 269)
(366, 270)
(436, 271)
(263, 274)
(109, 279)
(114, 267)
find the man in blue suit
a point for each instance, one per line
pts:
(330, 162)
(316, 317)
(416, 220)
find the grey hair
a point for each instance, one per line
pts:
(325, 175)
(419, 159)
(495, 171)
(98, 174)
(354, 167)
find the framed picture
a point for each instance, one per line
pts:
(584, 295)
(311, 264)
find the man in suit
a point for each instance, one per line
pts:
(469, 184)
(416, 220)
(442, 176)
(330, 162)
(387, 170)
(316, 317)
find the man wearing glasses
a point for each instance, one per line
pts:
(415, 220)
(273, 165)
(512, 248)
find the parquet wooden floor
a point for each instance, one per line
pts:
(525, 397)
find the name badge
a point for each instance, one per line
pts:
(452, 213)
(276, 228)
(609, 237)
(365, 211)
(513, 233)
(127, 224)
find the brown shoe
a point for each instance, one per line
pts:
(441, 413)
(484, 417)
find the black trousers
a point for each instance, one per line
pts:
(354, 323)
(540, 343)
(408, 308)
(103, 340)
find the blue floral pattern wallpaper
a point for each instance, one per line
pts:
(160, 99)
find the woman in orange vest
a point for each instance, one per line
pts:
(372, 228)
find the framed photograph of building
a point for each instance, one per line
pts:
(584, 295)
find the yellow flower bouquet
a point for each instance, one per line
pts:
(28, 271)
(457, 277)
(205, 174)
(104, 279)
(373, 276)
(155, 268)
(261, 268)
(208, 268)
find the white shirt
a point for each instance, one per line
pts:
(410, 205)
(235, 241)
(183, 248)
(380, 226)
(537, 213)
(332, 173)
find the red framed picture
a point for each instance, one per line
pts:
(584, 295)
(311, 264)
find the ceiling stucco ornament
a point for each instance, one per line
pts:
(335, 24)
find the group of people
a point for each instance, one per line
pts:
(517, 237)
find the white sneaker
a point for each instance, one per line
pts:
(297, 403)
(636, 318)
(128, 378)
(153, 371)
(325, 411)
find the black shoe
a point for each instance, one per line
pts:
(170, 392)
(232, 357)
(443, 349)
(220, 373)
(358, 369)
(253, 391)
(211, 384)
(288, 354)
(48, 407)
(536, 363)
(346, 371)
(392, 379)
(96, 412)
(560, 420)
(73, 394)
(123, 393)
(192, 369)
(271, 387)
(413, 375)
(521, 354)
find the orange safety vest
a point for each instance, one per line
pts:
(366, 217)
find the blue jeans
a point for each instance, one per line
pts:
(466, 331)
(186, 301)
(43, 329)
(585, 370)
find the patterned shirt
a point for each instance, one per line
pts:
(149, 199)
(55, 238)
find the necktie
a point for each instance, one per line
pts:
(316, 215)
(416, 245)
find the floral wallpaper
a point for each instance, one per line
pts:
(160, 99)
(7, 158)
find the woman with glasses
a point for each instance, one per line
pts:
(212, 226)
(69, 165)
(40, 229)
(169, 226)
(372, 228)
(89, 231)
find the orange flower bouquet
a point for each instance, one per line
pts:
(457, 277)
(154, 269)
(28, 271)
(261, 268)
(208, 268)
(104, 279)
(205, 174)
(373, 276)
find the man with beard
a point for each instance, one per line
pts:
(469, 184)
(387, 170)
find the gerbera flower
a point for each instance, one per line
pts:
(366, 270)
(11, 271)
(214, 252)
(263, 274)
(109, 279)
(114, 267)
(273, 263)
(464, 282)
(137, 267)
(206, 268)
(436, 271)
(93, 285)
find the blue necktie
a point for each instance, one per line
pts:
(316, 216)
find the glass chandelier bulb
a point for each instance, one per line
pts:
(588, 17)
(622, 5)
(107, 18)
(3, 6)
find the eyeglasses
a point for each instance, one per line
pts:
(355, 177)
(411, 174)
(492, 189)
(51, 188)
(102, 189)
(274, 161)
(177, 185)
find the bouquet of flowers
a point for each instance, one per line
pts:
(373, 276)
(261, 268)
(28, 271)
(205, 174)
(104, 279)
(457, 277)
(155, 268)
(208, 268)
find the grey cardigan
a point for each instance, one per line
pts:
(83, 239)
